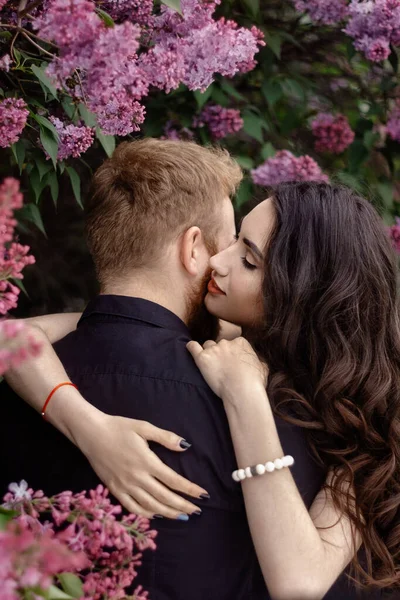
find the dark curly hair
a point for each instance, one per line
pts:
(332, 343)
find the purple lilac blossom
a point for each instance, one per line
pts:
(137, 11)
(333, 133)
(327, 12)
(284, 166)
(5, 62)
(394, 234)
(74, 140)
(219, 120)
(13, 117)
(393, 124)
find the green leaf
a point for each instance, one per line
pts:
(30, 212)
(274, 41)
(36, 184)
(50, 144)
(357, 154)
(18, 150)
(268, 151)
(20, 285)
(349, 180)
(6, 516)
(43, 167)
(294, 89)
(220, 97)
(52, 181)
(253, 126)
(47, 124)
(54, 593)
(254, 6)
(385, 191)
(44, 79)
(231, 91)
(245, 162)
(68, 106)
(370, 137)
(105, 17)
(174, 4)
(107, 141)
(202, 97)
(244, 193)
(272, 91)
(76, 184)
(71, 584)
(88, 117)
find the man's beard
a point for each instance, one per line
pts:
(202, 325)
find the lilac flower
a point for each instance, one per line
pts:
(219, 120)
(284, 166)
(20, 491)
(394, 234)
(393, 124)
(5, 62)
(137, 11)
(13, 117)
(333, 133)
(328, 12)
(74, 140)
(173, 132)
(374, 25)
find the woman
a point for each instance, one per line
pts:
(311, 280)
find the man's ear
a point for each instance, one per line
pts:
(192, 250)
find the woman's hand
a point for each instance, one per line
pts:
(229, 367)
(118, 451)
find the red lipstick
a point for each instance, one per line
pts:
(213, 288)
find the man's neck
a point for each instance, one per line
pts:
(151, 289)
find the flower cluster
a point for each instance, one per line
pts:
(137, 11)
(394, 234)
(74, 140)
(13, 117)
(284, 166)
(5, 62)
(374, 25)
(15, 345)
(113, 73)
(327, 12)
(93, 528)
(333, 133)
(13, 256)
(173, 131)
(393, 124)
(219, 120)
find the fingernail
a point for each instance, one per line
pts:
(197, 512)
(204, 496)
(184, 444)
(158, 517)
(182, 517)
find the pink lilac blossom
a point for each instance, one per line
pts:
(15, 345)
(219, 120)
(5, 62)
(374, 25)
(89, 524)
(3, 3)
(393, 124)
(327, 12)
(74, 140)
(13, 117)
(333, 133)
(284, 166)
(394, 234)
(13, 256)
(137, 11)
(176, 132)
(29, 560)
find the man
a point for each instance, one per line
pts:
(158, 210)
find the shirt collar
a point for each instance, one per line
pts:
(136, 309)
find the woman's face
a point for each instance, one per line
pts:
(234, 292)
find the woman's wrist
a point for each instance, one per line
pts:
(73, 416)
(241, 397)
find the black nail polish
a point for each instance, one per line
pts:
(204, 496)
(184, 444)
(158, 517)
(197, 512)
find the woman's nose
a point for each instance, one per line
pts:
(217, 264)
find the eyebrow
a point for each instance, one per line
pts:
(253, 248)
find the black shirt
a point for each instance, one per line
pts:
(128, 357)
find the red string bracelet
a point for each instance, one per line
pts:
(51, 394)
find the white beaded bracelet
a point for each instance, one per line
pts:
(268, 467)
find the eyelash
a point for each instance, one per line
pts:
(245, 262)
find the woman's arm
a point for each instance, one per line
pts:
(298, 561)
(116, 447)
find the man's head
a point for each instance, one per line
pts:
(161, 208)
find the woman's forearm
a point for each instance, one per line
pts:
(34, 379)
(288, 545)
(55, 326)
